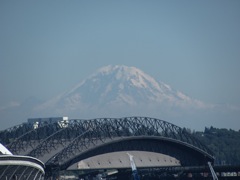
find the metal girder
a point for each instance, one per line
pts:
(59, 139)
(32, 137)
(9, 135)
(105, 130)
(65, 142)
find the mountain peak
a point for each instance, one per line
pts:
(112, 87)
(110, 68)
(121, 70)
(117, 91)
(133, 75)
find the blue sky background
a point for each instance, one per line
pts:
(46, 47)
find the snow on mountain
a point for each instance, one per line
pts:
(119, 86)
(120, 91)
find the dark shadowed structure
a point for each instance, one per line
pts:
(85, 144)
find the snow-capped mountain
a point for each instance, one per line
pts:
(118, 86)
(120, 91)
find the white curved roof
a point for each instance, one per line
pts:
(4, 150)
(121, 160)
(20, 167)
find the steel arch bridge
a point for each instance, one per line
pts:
(61, 144)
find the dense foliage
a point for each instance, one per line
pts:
(224, 143)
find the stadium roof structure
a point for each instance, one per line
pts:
(19, 167)
(64, 143)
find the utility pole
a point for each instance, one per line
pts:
(134, 168)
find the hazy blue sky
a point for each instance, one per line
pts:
(46, 47)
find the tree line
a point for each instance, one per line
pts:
(224, 143)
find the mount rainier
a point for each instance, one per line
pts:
(120, 91)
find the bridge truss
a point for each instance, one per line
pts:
(61, 144)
